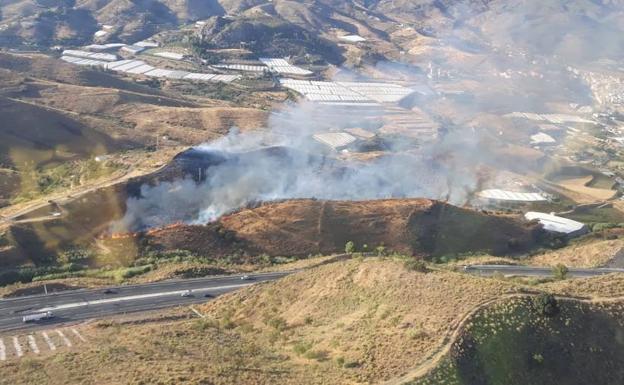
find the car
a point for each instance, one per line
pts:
(245, 278)
(109, 291)
(187, 293)
(208, 295)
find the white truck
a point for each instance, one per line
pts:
(37, 317)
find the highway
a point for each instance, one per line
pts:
(534, 271)
(75, 305)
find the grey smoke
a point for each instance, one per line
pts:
(446, 169)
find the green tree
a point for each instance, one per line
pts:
(560, 271)
(546, 304)
(350, 247)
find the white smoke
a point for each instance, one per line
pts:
(446, 169)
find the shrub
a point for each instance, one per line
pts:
(380, 250)
(546, 304)
(301, 347)
(277, 323)
(351, 364)
(319, 355)
(350, 247)
(538, 358)
(560, 271)
(416, 265)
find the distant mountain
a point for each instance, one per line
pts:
(566, 29)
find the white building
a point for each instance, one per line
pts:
(336, 140)
(133, 49)
(352, 38)
(510, 196)
(169, 55)
(556, 224)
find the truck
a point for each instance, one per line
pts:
(37, 317)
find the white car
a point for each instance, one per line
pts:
(245, 278)
(187, 293)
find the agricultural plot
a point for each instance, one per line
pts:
(139, 67)
(348, 92)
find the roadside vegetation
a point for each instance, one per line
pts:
(40, 181)
(537, 340)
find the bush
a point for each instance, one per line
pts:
(318, 355)
(538, 358)
(350, 247)
(351, 364)
(277, 323)
(546, 304)
(560, 271)
(302, 347)
(416, 265)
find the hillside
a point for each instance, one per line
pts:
(350, 322)
(291, 228)
(523, 342)
(60, 113)
(411, 226)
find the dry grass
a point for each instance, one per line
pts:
(584, 193)
(592, 254)
(348, 322)
(605, 286)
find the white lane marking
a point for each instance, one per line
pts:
(2, 350)
(134, 297)
(18, 347)
(65, 339)
(33, 344)
(79, 335)
(47, 339)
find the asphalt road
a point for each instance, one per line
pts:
(488, 270)
(74, 305)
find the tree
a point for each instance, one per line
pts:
(560, 271)
(350, 247)
(546, 304)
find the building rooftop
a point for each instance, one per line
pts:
(511, 196)
(352, 38)
(542, 138)
(281, 66)
(335, 140)
(557, 224)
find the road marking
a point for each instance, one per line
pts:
(47, 339)
(2, 350)
(33, 344)
(65, 339)
(134, 297)
(18, 347)
(79, 335)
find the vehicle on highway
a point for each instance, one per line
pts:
(37, 317)
(208, 295)
(187, 293)
(246, 278)
(109, 291)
